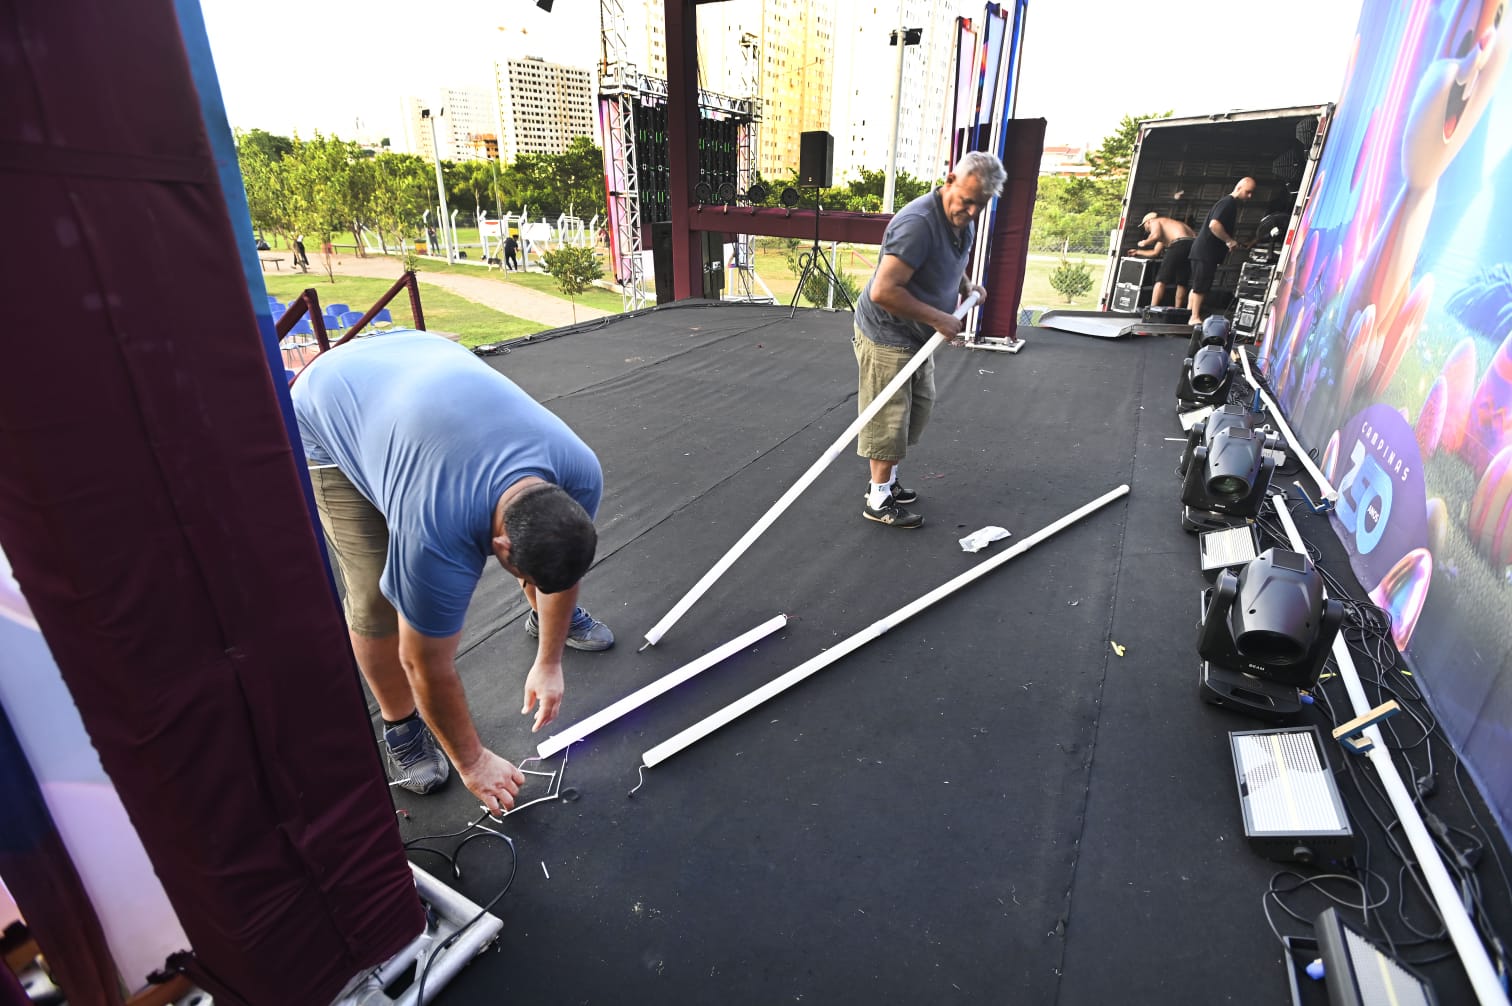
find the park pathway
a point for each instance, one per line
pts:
(486, 290)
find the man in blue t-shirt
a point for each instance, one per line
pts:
(425, 461)
(920, 277)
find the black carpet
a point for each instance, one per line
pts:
(988, 804)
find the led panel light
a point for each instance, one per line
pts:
(1192, 418)
(1291, 806)
(1227, 549)
(1359, 973)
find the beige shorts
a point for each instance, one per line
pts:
(358, 537)
(899, 424)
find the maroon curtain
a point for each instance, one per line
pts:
(1010, 228)
(150, 505)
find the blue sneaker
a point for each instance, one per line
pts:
(585, 633)
(415, 759)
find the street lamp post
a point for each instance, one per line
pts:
(446, 236)
(902, 38)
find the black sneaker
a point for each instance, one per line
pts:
(901, 495)
(893, 514)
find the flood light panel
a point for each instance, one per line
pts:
(1292, 809)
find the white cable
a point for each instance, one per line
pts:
(1446, 896)
(679, 609)
(734, 710)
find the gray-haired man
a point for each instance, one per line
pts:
(920, 278)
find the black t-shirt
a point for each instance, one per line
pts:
(1208, 247)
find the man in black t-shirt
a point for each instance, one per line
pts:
(1215, 239)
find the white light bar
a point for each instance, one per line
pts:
(734, 710)
(1324, 486)
(679, 609)
(666, 683)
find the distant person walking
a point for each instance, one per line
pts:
(1174, 239)
(1214, 241)
(300, 258)
(510, 247)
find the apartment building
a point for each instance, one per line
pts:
(465, 120)
(542, 106)
(784, 49)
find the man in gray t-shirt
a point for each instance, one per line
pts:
(921, 274)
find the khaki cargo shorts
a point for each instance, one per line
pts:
(899, 424)
(358, 538)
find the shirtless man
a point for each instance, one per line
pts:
(1175, 239)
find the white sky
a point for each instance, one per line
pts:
(342, 66)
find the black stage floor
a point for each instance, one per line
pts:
(988, 804)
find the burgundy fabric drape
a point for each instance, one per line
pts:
(150, 506)
(1010, 228)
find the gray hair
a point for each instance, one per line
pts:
(987, 169)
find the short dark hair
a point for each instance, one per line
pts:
(551, 538)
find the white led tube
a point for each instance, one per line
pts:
(666, 683)
(740, 707)
(1324, 486)
(1446, 896)
(679, 609)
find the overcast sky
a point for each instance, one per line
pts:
(342, 65)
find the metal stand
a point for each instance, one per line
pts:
(453, 914)
(815, 263)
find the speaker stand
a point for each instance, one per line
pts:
(815, 263)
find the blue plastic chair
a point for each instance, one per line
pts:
(337, 309)
(351, 318)
(383, 318)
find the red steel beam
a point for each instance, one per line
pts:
(777, 222)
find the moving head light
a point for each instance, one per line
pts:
(1226, 480)
(1207, 371)
(1203, 431)
(1266, 632)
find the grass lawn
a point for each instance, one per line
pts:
(474, 324)
(604, 300)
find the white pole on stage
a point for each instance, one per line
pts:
(1446, 896)
(734, 710)
(1319, 479)
(638, 698)
(679, 609)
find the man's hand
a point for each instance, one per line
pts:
(494, 781)
(543, 684)
(948, 325)
(979, 290)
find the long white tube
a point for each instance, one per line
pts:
(1324, 486)
(679, 609)
(1472, 952)
(638, 698)
(740, 707)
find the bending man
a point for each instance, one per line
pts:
(424, 462)
(920, 278)
(1174, 238)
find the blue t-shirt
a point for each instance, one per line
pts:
(432, 436)
(922, 237)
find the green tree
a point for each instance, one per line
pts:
(1071, 279)
(403, 188)
(574, 270)
(548, 185)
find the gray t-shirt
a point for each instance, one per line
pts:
(922, 237)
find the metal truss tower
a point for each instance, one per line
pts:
(619, 87)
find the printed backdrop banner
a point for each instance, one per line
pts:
(1392, 346)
